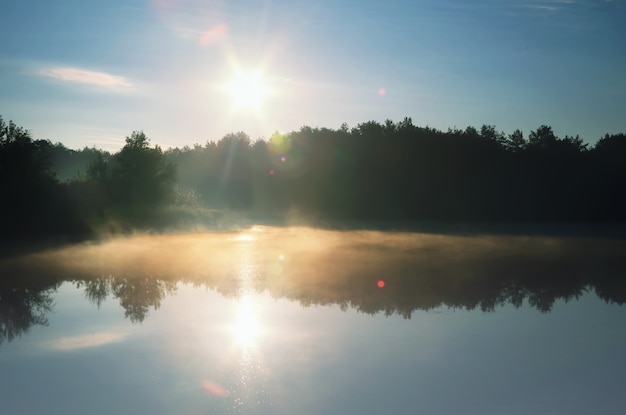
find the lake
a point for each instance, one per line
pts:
(296, 320)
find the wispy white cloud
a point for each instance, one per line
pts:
(577, 9)
(546, 6)
(555, 5)
(87, 340)
(542, 7)
(86, 77)
(104, 137)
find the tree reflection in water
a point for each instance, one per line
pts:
(420, 272)
(136, 295)
(23, 303)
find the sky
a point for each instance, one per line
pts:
(90, 73)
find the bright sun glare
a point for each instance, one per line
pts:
(246, 327)
(247, 90)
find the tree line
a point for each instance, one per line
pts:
(398, 171)
(394, 171)
(42, 199)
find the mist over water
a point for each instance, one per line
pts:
(315, 266)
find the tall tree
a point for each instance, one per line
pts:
(516, 141)
(141, 175)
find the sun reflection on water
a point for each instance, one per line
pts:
(245, 237)
(251, 371)
(246, 328)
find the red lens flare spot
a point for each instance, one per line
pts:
(214, 389)
(214, 34)
(380, 283)
(272, 172)
(382, 92)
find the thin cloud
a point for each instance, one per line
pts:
(86, 77)
(544, 7)
(103, 137)
(567, 5)
(549, 6)
(87, 341)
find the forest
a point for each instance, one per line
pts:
(392, 171)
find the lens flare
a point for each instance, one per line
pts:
(214, 389)
(214, 34)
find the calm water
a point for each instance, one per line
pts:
(295, 321)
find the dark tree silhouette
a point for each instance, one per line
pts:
(136, 295)
(141, 176)
(23, 304)
(33, 202)
(392, 172)
(399, 172)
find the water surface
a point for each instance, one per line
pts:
(293, 320)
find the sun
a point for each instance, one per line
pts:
(247, 90)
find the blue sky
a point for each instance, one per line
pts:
(89, 73)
